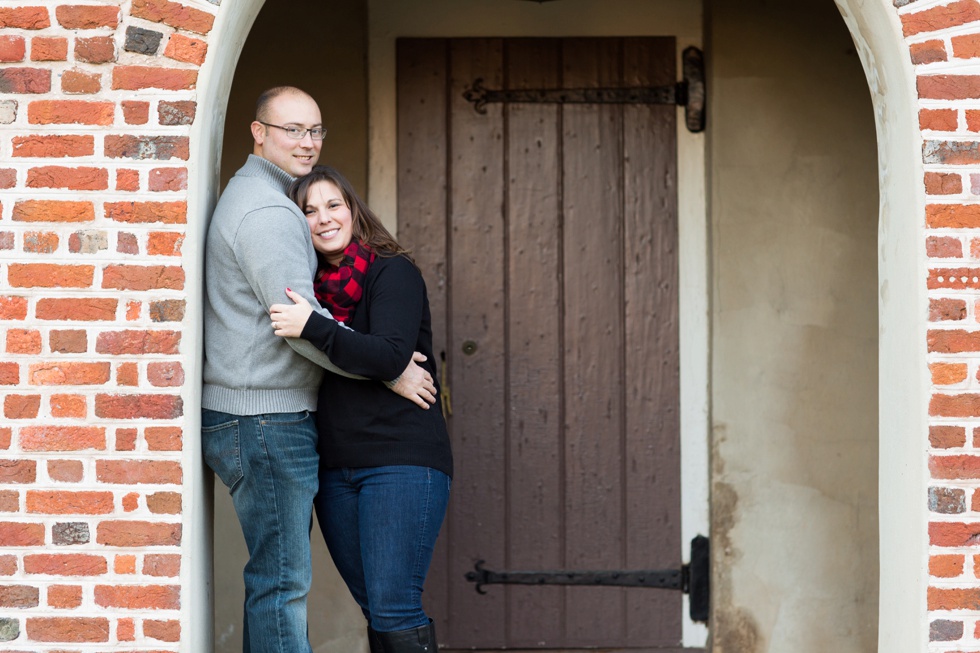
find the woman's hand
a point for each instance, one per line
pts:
(289, 319)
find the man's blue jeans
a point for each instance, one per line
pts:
(269, 463)
(381, 524)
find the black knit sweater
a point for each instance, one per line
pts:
(363, 423)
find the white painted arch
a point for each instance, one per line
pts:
(874, 25)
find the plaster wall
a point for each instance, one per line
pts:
(794, 215)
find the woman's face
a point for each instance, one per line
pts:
(330, 220)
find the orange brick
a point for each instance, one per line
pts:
(68, 341)
(62, 438)
(174, 14)
(131, 502)
(53, 211)
(165, 631)
(18, 471)
(136, 112)
(160, 564)
(126, 439)
(65, 564)
(62, 502)
(8, 565)
(164, 243)
(138, 472)
(124, 564)
(9, 373)
(135, 78)
(145, 212)
(948, 373)
(126, 630)
(138, 406)
(947, 437)
(40, 242)
(9, 501)
(133, 534)
(54, 147)
(64, 596)
(68, 629)
(12, 48)
(24, 17)
(62, 112)
(21, 406)
(168, 179)
(66, 471)
(128, 374)
(127, 180)
(13, 308)
(927, 52)
(68, 373)
(186, 49)
(942, 17)
(164, 503)
(23, 341)
(97, 49)
(167, 438)
(52, 48)
(133, 310)
(68, 406)
(138, 342)
(160, 148)
(21, 534)
(50, 275)
(81, 309)
(138, 597)
(83, 178)
(87, 16)
(143, 277)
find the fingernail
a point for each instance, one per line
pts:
(289, 290)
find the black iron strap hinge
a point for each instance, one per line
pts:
(689, 93)
(692, 578)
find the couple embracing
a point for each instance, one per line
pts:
(302, 277)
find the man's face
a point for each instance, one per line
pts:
(297, 157)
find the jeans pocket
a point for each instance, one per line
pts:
(222, 451)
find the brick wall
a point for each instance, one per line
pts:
(96, 103)
(944, 45)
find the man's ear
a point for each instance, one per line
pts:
(258, 132)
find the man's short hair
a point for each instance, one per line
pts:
(262, 104)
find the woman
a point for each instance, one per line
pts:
(385, 463)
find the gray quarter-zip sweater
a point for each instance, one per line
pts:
(258, 245)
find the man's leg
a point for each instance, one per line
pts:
(273, 497)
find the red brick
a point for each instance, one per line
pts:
(938, 119)
(68, 341)
(67, 373)
(161, 564)
(165, 631)
(66, 471)
(38, 146)
(135, 534)
(79, 82)
(139, 472)
(13, 308)
(21, 534)
(174, 14)
(53, 48)
(136, 78)
(49, 275)
(82, 309)
(78, 112)
(21, 406)
(164, 503)
(82, 178)
(954, 534)
(937, 18)
(40, 242)
(97, 49)
(164, 243)
(959, 405)
(8, 565)
(186, 49)
(53, 211)
(61, 502)
(138, 597)
(167, 310)
(160, 148)
(64, 596)
(68, 629)
(167, 374)
(62, 438)
(23, 341)
(65, 564)
(127, 243)
(940, 183)
(25, 80)
(953, 599)
(18, 471)
(133, 311)
(68, 406)
(9, 373)
(5, 433)
(948, 87)
(946, 437)
(128, 374)
(927, 52)
(136, 112)
(126, 439)
(24, 17)
(138, 342)
(944, 308)
(955, 467)
(8, 179)
(168, 179)
(87, 16)
(19, 596)
(124, 564)
(143, 277)
(127, 180)
(130, 503)
(953, 341)
(12, 48)
(944, 247)
(9, 501)
(138, 406)
(126, 630)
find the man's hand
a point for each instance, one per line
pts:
(415, 384)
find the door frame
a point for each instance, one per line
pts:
(693, 242)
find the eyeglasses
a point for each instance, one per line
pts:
(298, 133)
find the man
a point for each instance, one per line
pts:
(259, 389)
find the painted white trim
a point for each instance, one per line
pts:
(903, 385)
(230, 30)
(449, 18)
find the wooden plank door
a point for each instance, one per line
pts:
(548, 238)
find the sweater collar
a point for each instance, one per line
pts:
(256, 166)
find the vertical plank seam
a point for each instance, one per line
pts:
(624, 524)
(505, 237)
(562, 368)
(448, 305)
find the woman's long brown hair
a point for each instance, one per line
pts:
(366, 227)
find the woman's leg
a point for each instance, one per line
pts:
(401, 509)
(337, 513)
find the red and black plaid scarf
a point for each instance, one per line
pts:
(339, 288)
